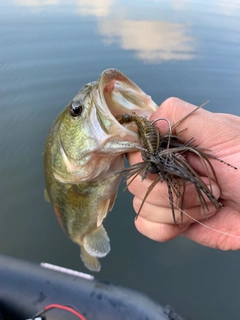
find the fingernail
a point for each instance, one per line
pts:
(214, 190)
(210, 214)
(209, 211)
(184, 226)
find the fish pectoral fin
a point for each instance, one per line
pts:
(105, 207)
(112, 201)
(46, 196)
(97, 243)
(89, 261)
(103, 211)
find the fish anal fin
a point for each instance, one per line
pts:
(97, 243)
(90, 262)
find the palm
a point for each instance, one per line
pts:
(222, 231)
(221, 135)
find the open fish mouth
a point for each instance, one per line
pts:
(119, 95)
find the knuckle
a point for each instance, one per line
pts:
(136, 203)
(169, 102)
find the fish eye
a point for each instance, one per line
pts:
(76, 108)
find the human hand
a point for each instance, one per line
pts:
(219, 133)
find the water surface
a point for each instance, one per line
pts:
(49, 50)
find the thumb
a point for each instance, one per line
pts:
(195, 126)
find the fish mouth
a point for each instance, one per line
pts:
(118, 96)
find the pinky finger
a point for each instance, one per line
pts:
(158, 231)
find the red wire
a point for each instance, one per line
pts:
(59, 306)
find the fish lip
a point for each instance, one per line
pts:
(113, 84)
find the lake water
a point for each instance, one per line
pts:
(48, 50)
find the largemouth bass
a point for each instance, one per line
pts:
(84, 149)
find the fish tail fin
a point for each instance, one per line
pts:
(90, 262)
(97, 243)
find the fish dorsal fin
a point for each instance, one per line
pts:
(97, 243)
(105, 207)
(89, 261)
(46, 196)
